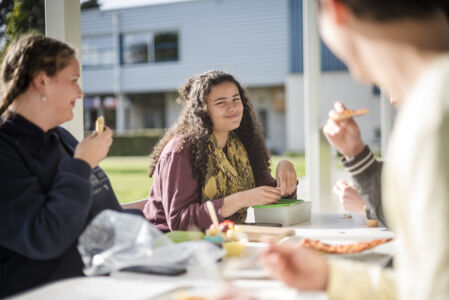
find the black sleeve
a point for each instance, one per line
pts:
(36, 224)
(366, 172)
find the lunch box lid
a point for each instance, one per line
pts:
(282, 203)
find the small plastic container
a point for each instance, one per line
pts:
(286, 212)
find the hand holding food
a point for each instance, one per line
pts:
(347, 113)
(93, 149)
(349, 197)
(296, 266)
(344, 133)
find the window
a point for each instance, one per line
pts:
(136, 48)
(149, 47)
(97, 51)
(166, 47)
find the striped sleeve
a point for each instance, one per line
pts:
(359, 163)
(366, 172)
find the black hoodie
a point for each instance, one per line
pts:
(47, 198)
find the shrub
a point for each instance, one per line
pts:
(135, 143)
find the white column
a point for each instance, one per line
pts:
(120, 110)
(120, 113)
(386, 122)
(318, 163)
(63, 22)
(294, 97)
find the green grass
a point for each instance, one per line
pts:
(130, 181)
(128, 177)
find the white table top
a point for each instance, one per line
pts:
(331, 228)
(338, 228)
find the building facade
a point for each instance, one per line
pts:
(135, 58)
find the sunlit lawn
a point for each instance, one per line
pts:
(130, 181)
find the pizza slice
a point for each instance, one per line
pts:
(342, 248)
(348, 113)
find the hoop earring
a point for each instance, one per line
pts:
(43, 99)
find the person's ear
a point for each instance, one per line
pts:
(40, 82)
(337, 10)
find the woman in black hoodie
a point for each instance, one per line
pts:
(51, 185)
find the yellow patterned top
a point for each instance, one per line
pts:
(228, 174)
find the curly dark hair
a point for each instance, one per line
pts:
(194, 126)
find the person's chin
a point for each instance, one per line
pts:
(69, 117)
(360, 75)
(234, 127)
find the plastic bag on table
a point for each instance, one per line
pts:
(114, 241)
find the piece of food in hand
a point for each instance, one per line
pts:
(344, 183)
(229, 235)
(348, 113)
(99, 125)
(342, 249)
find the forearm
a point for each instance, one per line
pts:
(366, 172)
(231, 204)
(193, 215)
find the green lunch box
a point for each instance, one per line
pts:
(286, 212)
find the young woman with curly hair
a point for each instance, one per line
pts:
(215, 152)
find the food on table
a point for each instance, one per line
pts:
(348, 113)
(181, 295)
(99, 125)
(372, 223)
(344, 248)
(229, 235)
(179, 236)
(234, 248)
(190, 298)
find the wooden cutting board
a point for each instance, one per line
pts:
(264, 233)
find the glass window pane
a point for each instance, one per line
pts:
(94, 48)
(166, 46)
(135, 48)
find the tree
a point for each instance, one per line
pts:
(5, 8)
(86, 4)
(24, 16)
(19, 17)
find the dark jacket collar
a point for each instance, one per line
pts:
(28, 133)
